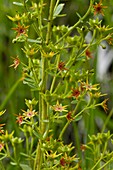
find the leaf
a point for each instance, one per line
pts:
(2, 112)
(18, 3)
(38, 135)
(11, 18)
(38, 41)
(74, 102)
(26, 155)
(25, 167)
(78, 118)
(57, 10)
(2, 156)
(13, 163)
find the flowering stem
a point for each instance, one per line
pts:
(34, 72)
(7, 149)
(63, 130)
(85, 108)
(54, 78)
(68, 122)
(50, 21)
(43, 106)
(102, 156)
(40, 17)
(75, 25)
(106, 163)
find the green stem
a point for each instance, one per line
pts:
(27, 144)
(101, 157)
(31, 146)
(68, 122)
(63, 130)
(54, 78)
(75, 25)
(106, 164)
(43, 112)
(34, 72)
(40, 17)
(77, 139)
(38, 159)
(81, 112)
(73, 58)
(15, 155)
(107, 120)
(7, 150)
(50, 20)
(97, 163)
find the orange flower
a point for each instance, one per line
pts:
(61, 66)
(75, 93)
(1, 128)
(88, 54)
(16, 62)
(62, 162)
(20, 119)
(1, 146)
(104, 105)
(98, 8)
(20, 29)
(83, 148)
(69, 116)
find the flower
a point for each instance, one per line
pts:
(69, 116)
(53, 155)
(6, 136)
(83, 147)
(48, 55)
(98, 8)
(1, 128)
(29, 113)
(1, 146)
(61, 66)
(89, 87)
(20, 29)
(16, 18)
(16, 62)
(62, 162)
(88, 54)
(59, 108)
(75, 93)
(104, 105)
(29, 50)
(20, 119)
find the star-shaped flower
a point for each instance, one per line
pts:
(21, 29)
(59, 108)
(98, 8)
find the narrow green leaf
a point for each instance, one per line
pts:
(13, 163)
(58, 9)
(34, 41)
(25, 167)
(18, 3)
(39, 136)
